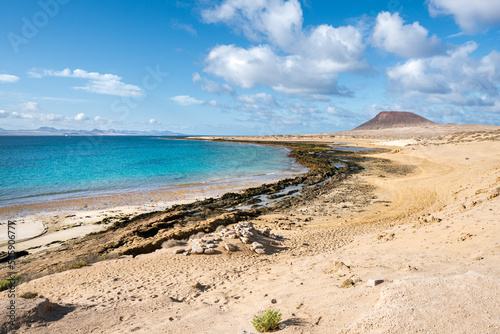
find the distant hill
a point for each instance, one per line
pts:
(395, 119)
(48, 131)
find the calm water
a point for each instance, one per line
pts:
(39, 169)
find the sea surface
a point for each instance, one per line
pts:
(43, 169)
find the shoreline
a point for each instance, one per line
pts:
(60, 220)
(64, 225)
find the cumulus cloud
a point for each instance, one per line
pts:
(186, 100)
(8, 78)
(404, 40)
(471, 16)
(212, 86)
(4, 114)
(456, 78)
(289, 59)
(29, 106)
(81, 117)
(274, 20)
(108, 84)
(153, 121)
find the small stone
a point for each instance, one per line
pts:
(209, 251)
(274, 301)
(229, 247)
(245, 240)
(179, 250)
(197, 249)
(260, 251)
(373, 282)
(211, 245)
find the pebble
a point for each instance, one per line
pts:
(229, 247)
(373, 282)
(211, 245)
(256, 245)
(178, 250)
(197, 249)
(260, 251)
(209, 251)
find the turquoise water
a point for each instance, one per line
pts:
(40, 169)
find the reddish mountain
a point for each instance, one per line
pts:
(395, 119)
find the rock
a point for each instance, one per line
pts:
(211, 245)
(230, 247)
(245, 240)
(260, 251)
(197, 249)
(373, 282)
(209, 251)
(256, 245)
(274, 301)
(340, 268)
(178, 250)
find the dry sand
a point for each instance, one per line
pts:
(431, 235)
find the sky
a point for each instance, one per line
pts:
(246, 67)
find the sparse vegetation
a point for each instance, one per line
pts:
(73, 265)
(267, 321)
(170, 243)
(30, 295)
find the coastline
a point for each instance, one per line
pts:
(420, 217)
(61, 220)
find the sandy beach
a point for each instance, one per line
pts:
(408, 243)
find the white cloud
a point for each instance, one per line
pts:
(29, 106)
(212, 86)
(8, 78)
(81, 117)
(471, 16)
(258, 98)
(294, 60)
(39, 117)
(108, 84)
(277, 21)
(183, 26)
(186, 100)
(104, 121)
(404, 40)
(154, 121)
(4, 114)
(456, 78)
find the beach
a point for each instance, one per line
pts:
(403, 238)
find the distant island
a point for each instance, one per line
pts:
(49, 131)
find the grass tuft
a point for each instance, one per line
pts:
(30, 295)
(267, 321)
(7, 283)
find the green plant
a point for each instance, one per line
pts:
(74, 265)
(30, 295)
(267, 321)
(7, 283)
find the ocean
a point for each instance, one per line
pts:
(42, 169)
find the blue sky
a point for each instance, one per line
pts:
(246, 66)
